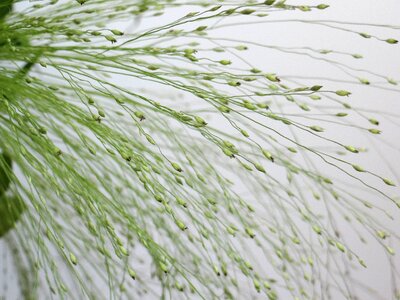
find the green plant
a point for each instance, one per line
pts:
(105, 179)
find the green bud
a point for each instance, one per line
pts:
(117, 32)
(212, 201)
(263, 105)
(267, 154)
(391, 41)
(126, 156)
(365, 35)
(373, 121)
(317, 229)
(272, 77)
(257, 285)
(247, 11)
(234, 83)
(159, 198)
(390, 250)
(249, 105)
(132, 273)
(150, 139)
(101, 113)
(124, 251)
(374, 131)
(346, 105)
(216, 270)
(316, 88)
(90, 100)
(225, 62)
(381, 234)
(201, 28)
(163, 267)
(111, 39)
(181, 202)
(362, 263)
(255, 71)
(228, 152)
(358, 168)
(250, 232)
(322, 6)
(342, 93)
(315, 97)
(73, 259)
(241, 47)
(357, 56)
(215, 8)
(351, 149)
(231, 231)
(176, 167)
(179, 286)
(304, 8)
(340, 247)
(317, 128)
(200, 121)
(267, 285)
(181, 225)
(139, 115)
(259, 167)
(388, 182)
(304, 107)
(57, 151)
(244, 133)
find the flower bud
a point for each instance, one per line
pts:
(132, 273)
(181, 225)
(317, 128)
(322, 6)
(388, 182)
(225, 62)
(342, 93)
(73, 259)
(272, 77)
(391, 41)
(250, 232)
(117, 32)
(374, 131)
(176, 167)
(351, 149)
(358, 168)
(111, 39)
(259, 167)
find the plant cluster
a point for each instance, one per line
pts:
(159, 161)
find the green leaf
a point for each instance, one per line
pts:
(5, 8)
(5, 170)
(11, 209)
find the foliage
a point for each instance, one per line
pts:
(118, 187)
